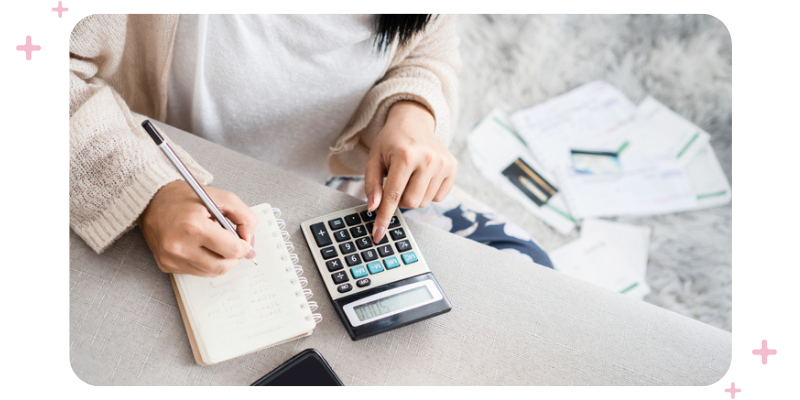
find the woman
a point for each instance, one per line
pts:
(338, 94)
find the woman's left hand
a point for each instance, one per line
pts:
(418, 168)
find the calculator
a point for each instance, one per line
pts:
(374, 287)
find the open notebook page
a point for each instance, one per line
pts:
(251, 306)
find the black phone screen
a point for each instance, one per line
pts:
(305, 369)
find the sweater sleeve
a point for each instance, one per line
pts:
(425, 71)
(115, 168)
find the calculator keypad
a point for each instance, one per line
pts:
(345, 288)
(358, 231)
(328, 252)
(363, 243)
(336, 224)
(334, 265)
(403, 246)
(369, 255)
(347, 248)
(352, 219)
(340, 277)
(345, 243)
(321, 234)
(341, 235)
(353, 259)
(397, 233)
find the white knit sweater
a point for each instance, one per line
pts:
(119, 66)
(309, 73)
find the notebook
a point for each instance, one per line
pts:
(251, 307)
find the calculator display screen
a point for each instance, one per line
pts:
(392, 303)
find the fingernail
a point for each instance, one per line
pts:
(379, 232)
(371, 202)
(251, 255)
(253, 241)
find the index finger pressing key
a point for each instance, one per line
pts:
(392, 193)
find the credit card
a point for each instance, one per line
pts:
(533, 185)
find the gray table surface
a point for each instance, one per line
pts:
(512, 323)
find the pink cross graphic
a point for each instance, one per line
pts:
(60, 9)
(764, 352)
(28, 48)
(733, 390)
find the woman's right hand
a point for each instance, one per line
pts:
(186, 239)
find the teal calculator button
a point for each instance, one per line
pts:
(358, 272)
(391, 262)
(409, 258)
(375, 267)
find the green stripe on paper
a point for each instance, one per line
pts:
(696, 135)
(629, 287)
(563, 214)
(508, 128)
(622, 147)
(703, 196)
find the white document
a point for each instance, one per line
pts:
(660, 188)
(586, 117)
(656, 130)
(632, 240)
(708, 180)
(608, 254)
(493, 146)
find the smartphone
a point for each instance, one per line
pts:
(308, 368)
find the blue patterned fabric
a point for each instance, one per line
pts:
(463, 215)
(492, 233)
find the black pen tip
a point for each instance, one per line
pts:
(151, 130)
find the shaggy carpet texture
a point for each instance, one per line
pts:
(513, 62)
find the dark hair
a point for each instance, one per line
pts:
(398, 27)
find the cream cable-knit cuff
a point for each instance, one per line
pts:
(120, 216)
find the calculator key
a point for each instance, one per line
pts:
(384, 240)
(369, 227)
(341, 235)
(369, 255)
(334, 265)
(405, 245)
(409, 258)
(358, 231)
(345, 288)
(321, 234)
(340, 277)
(397, 233)
(352, 219)
(328, 252)
(394, 222)
(363, 282)
(353, 259)
(358, 272)
(385, 250)
(368, 216)
(347, 248)
(336, 224)
(363, 243)
(391, 262)
(375, 267)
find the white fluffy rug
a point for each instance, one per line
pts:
(516, 61)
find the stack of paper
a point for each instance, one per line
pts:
(608, 254)
(495, 148)
(592, 153)
(612, 158)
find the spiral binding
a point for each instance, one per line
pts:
(298, 269)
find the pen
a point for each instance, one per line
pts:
(151, 130)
